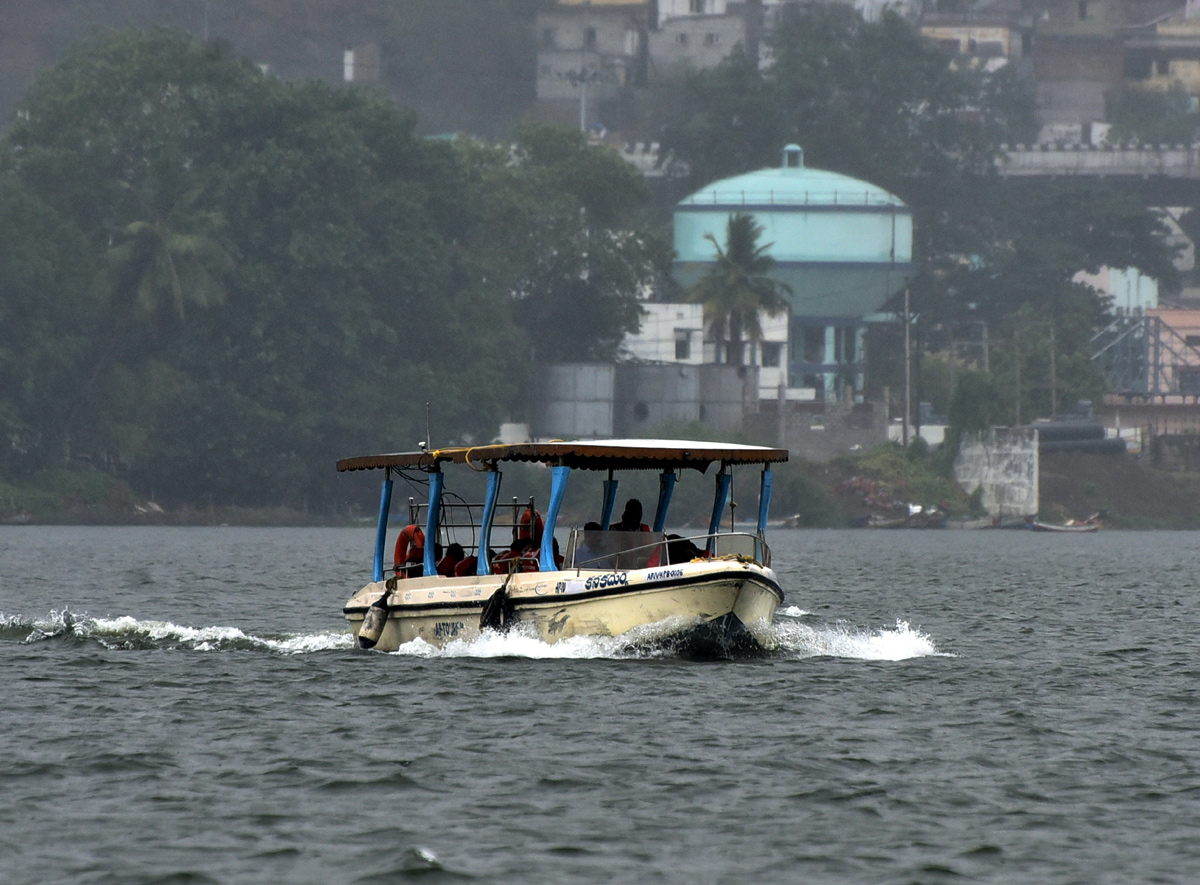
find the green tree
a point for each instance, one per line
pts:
(563, 230)
(1153, 117)
(358, 290)
(978, 402)
(47, 312)
(738, 287)
(153, 269)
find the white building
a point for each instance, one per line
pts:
(590, 50)
(676, 333)
(1131, 291)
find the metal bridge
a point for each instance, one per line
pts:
(1164, 175)
(1143, 357)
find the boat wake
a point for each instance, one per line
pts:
(642, 642)
(786, 639)
(789, 638)
(131, 633)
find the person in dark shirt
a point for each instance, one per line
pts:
(631, 518)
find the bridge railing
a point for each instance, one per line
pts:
(1172, 161)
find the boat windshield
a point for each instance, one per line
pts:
(634, 550)
(615, 550)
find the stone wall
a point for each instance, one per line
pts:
(1003, 463)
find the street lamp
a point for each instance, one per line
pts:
(582, 78)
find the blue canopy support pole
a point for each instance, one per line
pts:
(719, 504)
(666, 488)
(610, 501)
(483, 565)
(558, 488)
(764, 500)
(432, 516)
(385, 504)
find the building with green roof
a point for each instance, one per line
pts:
(842, 245)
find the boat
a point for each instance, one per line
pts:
(1091, 524)
(712, 592)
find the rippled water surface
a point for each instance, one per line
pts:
(943, 707)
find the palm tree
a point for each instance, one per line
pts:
(155, 265)
(738, 288)
(169, 258)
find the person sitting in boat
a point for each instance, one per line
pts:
(512, 558)
(448, 563)
(682, 550)
(588, 546)
(531, 556)
(631, 518)
(467, 567)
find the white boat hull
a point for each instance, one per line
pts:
(729, 600)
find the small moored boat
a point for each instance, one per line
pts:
(1091, 524)
(715, 589)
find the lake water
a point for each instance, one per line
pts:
(945, 707)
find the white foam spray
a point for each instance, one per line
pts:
(840, 641)
(129, 632)
(788, 637)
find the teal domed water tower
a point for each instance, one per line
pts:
(844, 246)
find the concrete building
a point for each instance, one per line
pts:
(590, 51)
(594, 51)
(688, 43)
(1164, 52)
(987, 40)
(1078, 59)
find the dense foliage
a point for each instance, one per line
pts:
(1153, 117)
(217, 282)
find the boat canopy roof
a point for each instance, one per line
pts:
(610, 454)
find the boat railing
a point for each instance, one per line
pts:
(616, 550)
(459, 521)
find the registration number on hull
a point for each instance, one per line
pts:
(448, 629)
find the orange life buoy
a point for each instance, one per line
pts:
(531, 516)
(411, 538)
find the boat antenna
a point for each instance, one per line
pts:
(732, 504)
(428, 435)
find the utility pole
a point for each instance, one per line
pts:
(1053, 377)
(583, 103)
(581, 78)
(907, 370)
(1017, 342)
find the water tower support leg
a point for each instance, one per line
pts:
(830, 359)
(860, 346)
